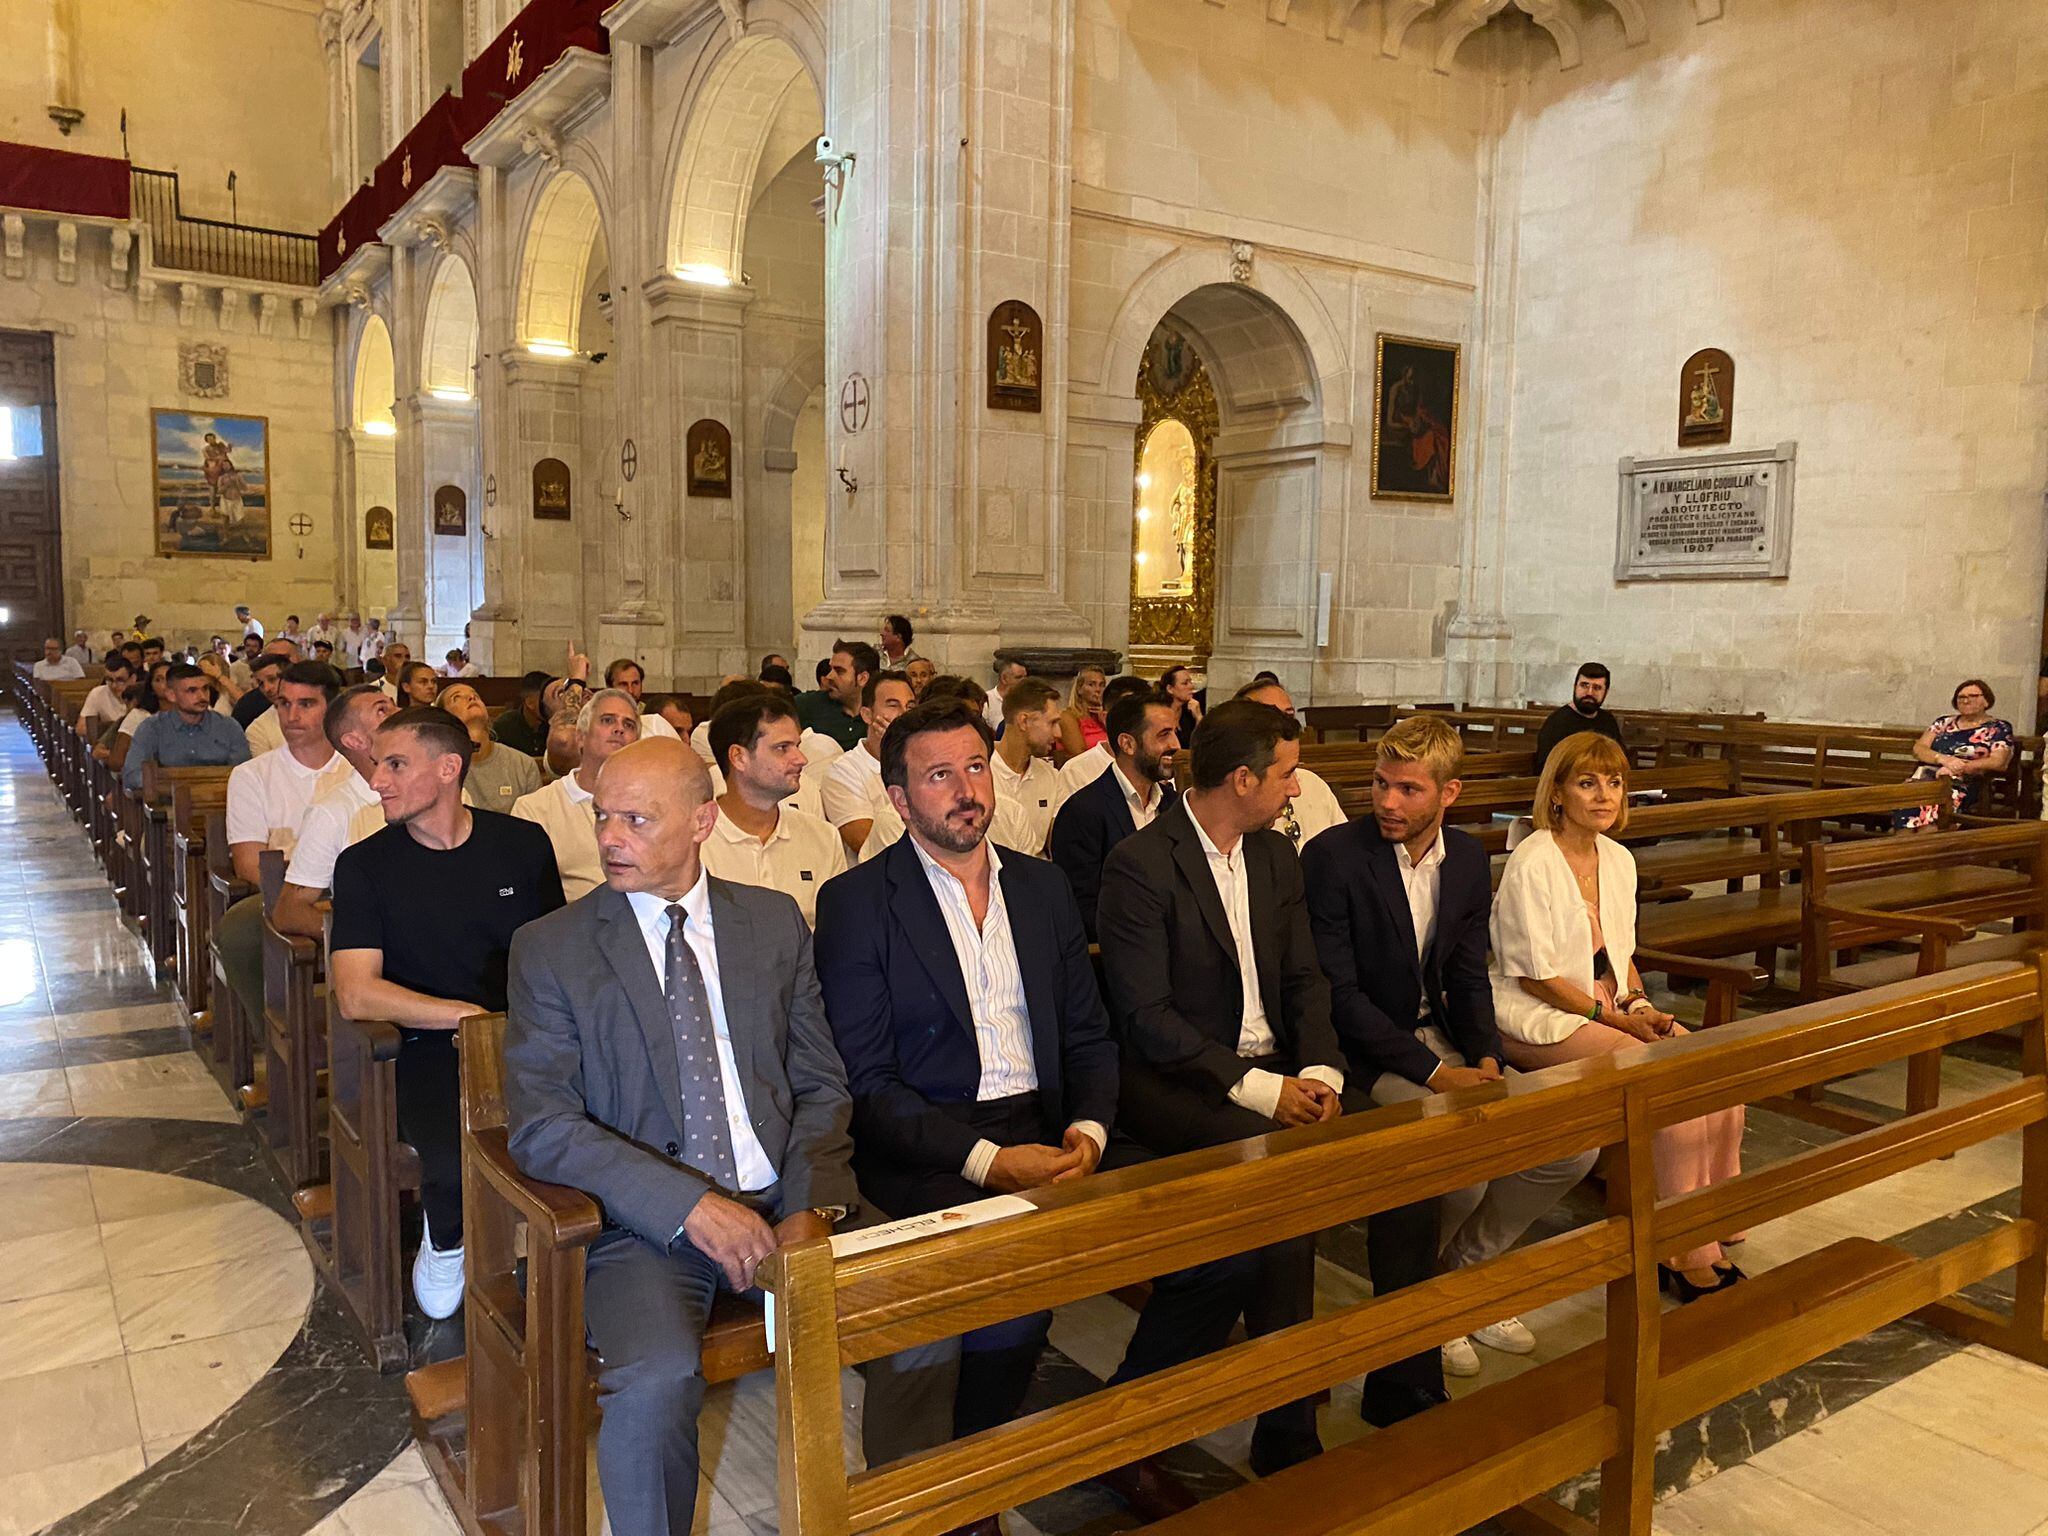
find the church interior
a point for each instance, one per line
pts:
(1476, 393)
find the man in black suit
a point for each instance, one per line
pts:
(1399, 905)
(1142, 743)
(1224, 1019)
(957, 983)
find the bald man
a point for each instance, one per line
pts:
(667, 1052)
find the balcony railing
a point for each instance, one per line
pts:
(214, 246)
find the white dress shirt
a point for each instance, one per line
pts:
(1143, 812)
(750, 1161)
(801, 854)
(1316, 809)
(1036, 794)
(65, 669)
(995, 997)
(564, 811)
(1421, 878)
(1258, 1090)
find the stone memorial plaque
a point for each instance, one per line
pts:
(1726, 515)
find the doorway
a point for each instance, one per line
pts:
(31, 564)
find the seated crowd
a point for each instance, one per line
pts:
(900, 943)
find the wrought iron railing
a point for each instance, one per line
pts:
(215, 246)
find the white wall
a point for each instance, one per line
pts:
(1851, 200)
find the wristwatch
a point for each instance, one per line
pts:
(831, 1215)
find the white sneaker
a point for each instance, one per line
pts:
(437, 1278)
(1460, 1358)
(1510, 1336)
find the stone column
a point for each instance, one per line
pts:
(695, 368)
(493, 625)
(1478, 664)
(407, 619)
(960, 121)
(636, 549)
(447, 455)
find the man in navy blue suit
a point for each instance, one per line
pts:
(1399, 905)
(1143, 738)
(957, 983)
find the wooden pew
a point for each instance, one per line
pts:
(350, 1223)
(158, 900)
(294, 1041)
(194, 807)
(232, 1035)
(506, 1427)
(1503, 1447)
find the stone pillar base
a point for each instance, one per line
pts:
(1479, 668)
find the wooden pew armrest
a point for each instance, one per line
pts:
(232, 890)
(1744, 978)
(1905, 924)
(556, 1216)
(382, 1038)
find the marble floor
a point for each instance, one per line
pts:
(170, 1362)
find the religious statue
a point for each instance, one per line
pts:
(1704, 408)
(1017, 364)
(1180, 512)
(709, 463)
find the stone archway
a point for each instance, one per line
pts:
(450, 452)
(372, 470)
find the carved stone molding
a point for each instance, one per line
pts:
(189, 296)
(67, 251)
(120, 241)
(14, 245)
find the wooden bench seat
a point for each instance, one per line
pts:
(1742, 922)
(1886, 969)
(1388, 1480)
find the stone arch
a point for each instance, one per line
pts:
(727, 134)
(448, 335)
(554, 262)
(1276, 313)
(373, 387)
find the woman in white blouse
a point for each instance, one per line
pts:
(1565, 985)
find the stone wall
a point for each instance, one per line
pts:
(1852, 202)
(117, 359)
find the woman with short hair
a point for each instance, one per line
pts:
(1964, 748)
(1565, 985)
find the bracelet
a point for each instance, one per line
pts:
(1593, 1013)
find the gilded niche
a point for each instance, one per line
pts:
(1173, 503)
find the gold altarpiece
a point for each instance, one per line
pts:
(1173, 508)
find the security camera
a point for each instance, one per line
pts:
(830, 155)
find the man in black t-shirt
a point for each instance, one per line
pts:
(1584, 713)
(424, 913)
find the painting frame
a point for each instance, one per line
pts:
(1016, 358)
(379, 524)
(207, 505)
(450, 505)
(1430, 399)
(707, 450)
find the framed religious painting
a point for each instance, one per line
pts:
(1414, 419)
(551, 491)
(377, 528)
(212, 484)
(708, 451)
(451, 511)
(1016, 357)
(1706, 399)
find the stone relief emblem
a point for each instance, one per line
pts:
(203, 370)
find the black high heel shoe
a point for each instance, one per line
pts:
(1669, 1279)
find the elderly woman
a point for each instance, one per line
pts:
(1565, 985)
(1081, 724)
(1961, 748)
(498, 776)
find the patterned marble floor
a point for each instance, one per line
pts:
(170, 1363)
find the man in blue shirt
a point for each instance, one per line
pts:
(187, 735)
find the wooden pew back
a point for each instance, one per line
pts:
(1452, 1467)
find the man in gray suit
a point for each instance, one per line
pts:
(667, 1052)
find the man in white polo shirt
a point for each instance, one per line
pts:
(610, 719)
(107, 704)
(345, 811)
(853, 785)
(760, 838)
(1026, 780)
(268, 798)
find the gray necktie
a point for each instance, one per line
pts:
(707, 1139)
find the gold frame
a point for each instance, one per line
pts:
(1379, 379)
(156, 489)
(1186, 624)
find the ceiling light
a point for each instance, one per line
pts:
(380, 429)
(705, 273)
(451, 394)
(550, 349)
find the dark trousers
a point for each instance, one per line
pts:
(923, 1397)
(430, 1121)
(645, 1311)
(1169, 1115)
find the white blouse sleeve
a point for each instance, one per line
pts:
(1524, 927)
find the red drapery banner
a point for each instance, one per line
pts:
(61, 181)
